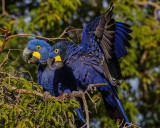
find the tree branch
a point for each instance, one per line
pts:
(4, 13)
(6, 37)
(8, 55)
(152, 78)
(3, 7)
(25, 91)
(86, 110)
(79, 94)
(153, 4)
(93, 101)
(144, 56)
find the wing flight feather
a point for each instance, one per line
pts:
(112, 38)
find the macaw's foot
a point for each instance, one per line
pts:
(92, 88)
(76, 94)
(45, 95)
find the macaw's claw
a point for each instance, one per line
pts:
(73, 94)
(92, 88)
(33, 60)
(45, 95)
(76, 93)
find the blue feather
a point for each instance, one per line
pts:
(124, 25)
(120, 49)
(86, 71)
(85, 60)
(58, 81)
(121, 108)
(121, 39)
(98, 69)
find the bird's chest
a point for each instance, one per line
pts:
(47, 79)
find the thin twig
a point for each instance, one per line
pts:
(6, 37)
(120, 125)
(128, 125)
(45, 38)
(93, 101)
(63, 122)
(71, 124)
(4, 13)
(40, 37)
(8, 55)
(86, 110)
(144, 56)
(153, 4)
(75, 94)
(3, 7)
(25, 91)
(83, 125)
(9, 75)
(26, 72)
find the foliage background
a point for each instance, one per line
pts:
(140, 92)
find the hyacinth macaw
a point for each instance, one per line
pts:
(55, 82)
(96, 59)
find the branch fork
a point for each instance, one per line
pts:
(6, 37)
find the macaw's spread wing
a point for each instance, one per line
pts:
(110, 38)
(121, 39)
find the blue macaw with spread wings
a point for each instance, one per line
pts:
(55, 82)
(95, 61)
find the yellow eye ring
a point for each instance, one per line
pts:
(38, 47)
(56, 50)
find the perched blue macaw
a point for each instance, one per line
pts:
(96, 59)
(55, 82)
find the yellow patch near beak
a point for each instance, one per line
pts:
(36, 54)
(58, 58)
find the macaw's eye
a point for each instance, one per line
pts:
(38, 47)
(56, 50)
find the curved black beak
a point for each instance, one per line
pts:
(26, 52)
(50, 61)
(28, 58)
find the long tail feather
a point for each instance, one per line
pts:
(81, 121)
(113, 105)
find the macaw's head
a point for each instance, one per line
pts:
(58, 54)
(36, 51)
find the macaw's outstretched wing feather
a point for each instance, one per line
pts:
(122, 39)
(111, 38)
(104, 33)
